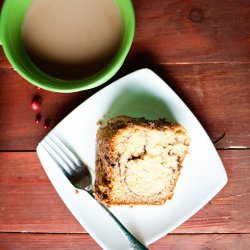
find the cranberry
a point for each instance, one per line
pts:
(38, 119)
(46, 124)
(35, 105)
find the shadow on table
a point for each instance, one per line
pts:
(147, 59)
(139, 103)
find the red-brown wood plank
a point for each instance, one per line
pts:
(23, 241)
(4, 63)
(29, 203)
(203, 242)
(193, 31)
(84, 241)
(169, 32)
(217, 94)
(18, 130)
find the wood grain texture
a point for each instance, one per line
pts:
(217, 95)
(202, 50)
(172, 33)
(29, 203)
(47, 241)
(84, 241)
(193, 31)
(203, 242)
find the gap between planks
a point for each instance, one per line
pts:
(218, 149)
(80, 233)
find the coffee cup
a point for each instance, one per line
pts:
(11, 21)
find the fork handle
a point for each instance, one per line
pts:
(133, 242)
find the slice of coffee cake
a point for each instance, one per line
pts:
(138, 161)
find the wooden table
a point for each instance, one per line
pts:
(202, 49)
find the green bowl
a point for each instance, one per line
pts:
(11, 20)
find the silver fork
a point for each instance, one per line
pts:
(79, 176)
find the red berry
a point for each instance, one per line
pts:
(38, 119)
(35, 105)
(46, 124)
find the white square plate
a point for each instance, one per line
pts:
(139, 94)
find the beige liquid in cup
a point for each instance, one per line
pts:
(72, 39)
